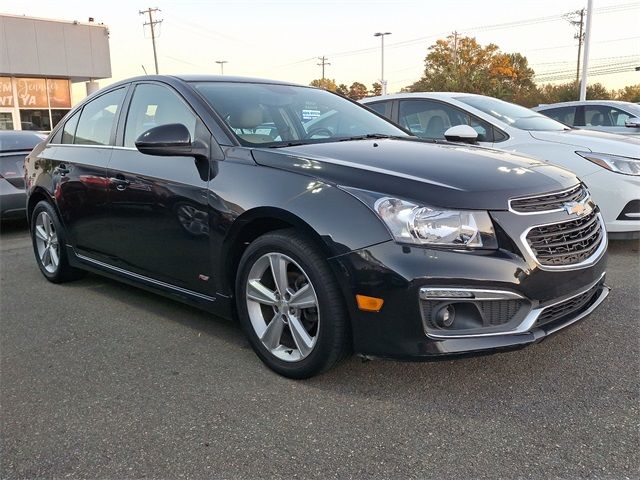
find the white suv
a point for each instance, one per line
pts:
(608, 164)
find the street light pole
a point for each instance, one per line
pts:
(585, 59)
(221, 63)
(382, 80)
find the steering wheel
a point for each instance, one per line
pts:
(319, 131)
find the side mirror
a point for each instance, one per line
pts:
(461, 133)
(632, 123)
(169, 140)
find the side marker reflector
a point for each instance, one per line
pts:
(369, 304)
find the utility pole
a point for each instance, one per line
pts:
(578, 36)
(455, 48)
(585, 58)
(221, 63)
(382, 80)
(323, 63)
(152, 23)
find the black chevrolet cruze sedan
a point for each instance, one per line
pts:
(321, 226)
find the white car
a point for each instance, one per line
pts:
(608, 164)
(622, 118)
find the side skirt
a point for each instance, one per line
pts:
(218, 305)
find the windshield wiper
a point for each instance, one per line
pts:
(292, 143)
(369, 136)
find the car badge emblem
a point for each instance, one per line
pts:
(574, 207)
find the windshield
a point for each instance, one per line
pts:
(513, 115)
(270, 115)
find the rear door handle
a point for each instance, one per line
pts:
(62, 170)
(120, 182)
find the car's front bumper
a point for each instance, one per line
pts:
(613, 192)
(399, 273)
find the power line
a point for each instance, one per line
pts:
(564, 62)
(572, 46)
(152, 23)
(601, 65)
(497, 26)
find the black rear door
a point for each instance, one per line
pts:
(77, 168)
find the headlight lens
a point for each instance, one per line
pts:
(409, 222)
(615, 163)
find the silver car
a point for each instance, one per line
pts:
(609, 116)
(14, 147)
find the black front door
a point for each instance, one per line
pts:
(158, 205)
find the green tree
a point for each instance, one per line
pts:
(325, 83)
(466, 66)
(567, 92)
(630, 93)
(376, 89)
(343, 90)
(357, 91)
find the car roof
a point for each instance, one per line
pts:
(206, 78)
(442, 95)
(585, 102)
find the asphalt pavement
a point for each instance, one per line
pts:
(102, 380)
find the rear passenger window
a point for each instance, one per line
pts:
(152, 106)
(69, 130)
(383, 108)
(98, 118)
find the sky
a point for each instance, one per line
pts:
(282, 39)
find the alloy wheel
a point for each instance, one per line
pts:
(283, 307)
(47, 242)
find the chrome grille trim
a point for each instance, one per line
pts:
(555, 203)
(597, 254)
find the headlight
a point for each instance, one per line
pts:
(615, 163)
(409, 222)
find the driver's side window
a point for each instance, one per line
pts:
(431, 119)
(154, 105)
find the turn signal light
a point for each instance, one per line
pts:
(369, 304)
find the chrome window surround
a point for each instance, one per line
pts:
(576, 266)
(527, 323)
(582, 202)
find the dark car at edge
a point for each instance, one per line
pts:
(15, 145)
(323, 228)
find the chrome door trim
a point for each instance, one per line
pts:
(137, 276)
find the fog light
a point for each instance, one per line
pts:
(445, 316)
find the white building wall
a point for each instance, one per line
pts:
(45, 48)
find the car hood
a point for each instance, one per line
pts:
(443, 175)
(591, 140)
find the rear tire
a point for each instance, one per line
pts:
(297, 324)
(49, 245)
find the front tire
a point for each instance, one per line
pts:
(290, 306)
(47, 236)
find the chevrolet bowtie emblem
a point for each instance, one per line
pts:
(574, 207)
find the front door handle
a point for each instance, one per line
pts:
(120, 182)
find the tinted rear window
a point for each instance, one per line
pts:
(16, 141)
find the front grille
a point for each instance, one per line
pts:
(571, 306)
(488, 313)
(549, 201)
(566, 243)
